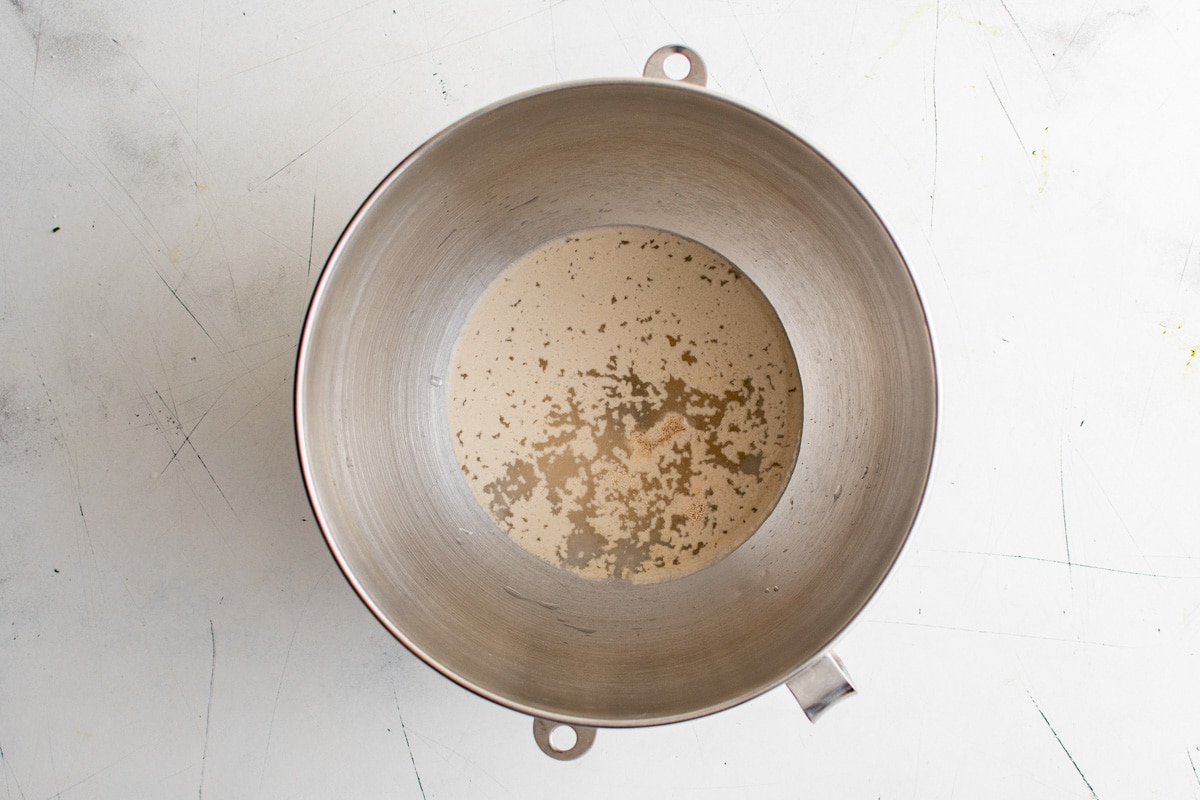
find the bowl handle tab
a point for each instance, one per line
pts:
(821, 684)
(697, 73)
(544, 733)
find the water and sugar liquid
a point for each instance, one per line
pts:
(625, 404)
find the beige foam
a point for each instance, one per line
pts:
(625, 404)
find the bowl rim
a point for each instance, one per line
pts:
(311, 317)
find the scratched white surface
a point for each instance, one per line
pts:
(172, 177)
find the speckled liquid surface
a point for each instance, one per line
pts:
(625, 404)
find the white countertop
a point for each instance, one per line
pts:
(172, 177)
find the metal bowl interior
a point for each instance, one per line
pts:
(372, 421)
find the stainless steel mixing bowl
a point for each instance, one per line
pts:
(371, 406)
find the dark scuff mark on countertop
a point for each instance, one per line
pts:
(1070, 757)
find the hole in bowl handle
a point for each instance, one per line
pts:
(655, 65)
(584, 737)
(820, 685)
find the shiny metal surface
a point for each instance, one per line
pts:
(821, 684)
(371, 406)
